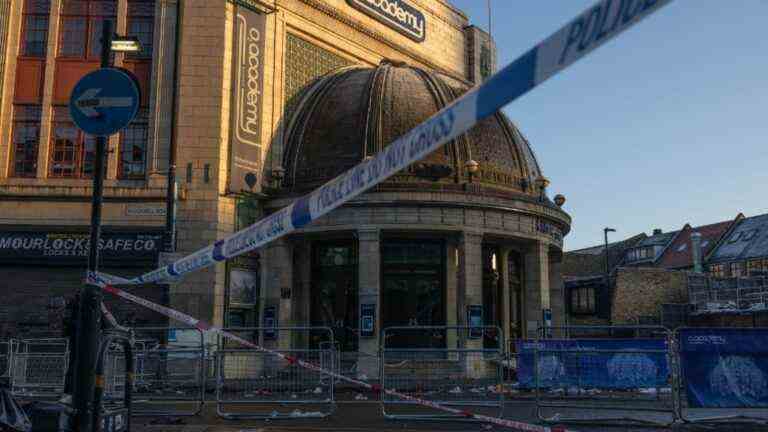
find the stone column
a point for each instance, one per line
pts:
(369, 292)
(453, 310)
(278, 279)
(161, 91)
(471, 279)
(301, 295)
(506, 294)
(537, 287)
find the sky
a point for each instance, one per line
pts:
(664, 125)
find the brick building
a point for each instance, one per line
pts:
(649, 271)
(260, 101)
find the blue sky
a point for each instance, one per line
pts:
(666, 124)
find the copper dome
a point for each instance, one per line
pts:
(354, 112)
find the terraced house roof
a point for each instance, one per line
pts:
(749, 239)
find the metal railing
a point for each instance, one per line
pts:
(7, 349)
(39, 368)
(170, 372)
(604, 380)
(252, 384)
(468, 375)
(113, 412)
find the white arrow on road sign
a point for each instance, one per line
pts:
(88, 102)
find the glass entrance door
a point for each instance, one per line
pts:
(334, 300)
(413, 292)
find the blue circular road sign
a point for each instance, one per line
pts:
(104, 101)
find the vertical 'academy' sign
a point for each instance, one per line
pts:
(397, 14)
(247, 88)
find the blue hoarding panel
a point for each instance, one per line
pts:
(725, 368)
(578, 363)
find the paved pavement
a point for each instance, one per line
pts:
(367, 416)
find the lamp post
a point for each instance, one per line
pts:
(89, 311)
(607, 266)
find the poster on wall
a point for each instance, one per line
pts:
(243, 286)
(246, 103)
(270, 323)
(475, 320)
(367, 320)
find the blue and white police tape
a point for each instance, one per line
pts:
(103, 282)
(591, 29)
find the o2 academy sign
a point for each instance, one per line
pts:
(248, 86)
(395, 13)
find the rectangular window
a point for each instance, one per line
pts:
(72, 152)
(583, 300)
(717, 270)
(81, 26)
(737, 269)
(26, 135)
(34, 39)
(133, 147)
(141, 24)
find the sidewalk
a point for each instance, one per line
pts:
(367, 416)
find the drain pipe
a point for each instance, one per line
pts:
(172, 193)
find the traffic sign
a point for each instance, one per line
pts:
(104, 101)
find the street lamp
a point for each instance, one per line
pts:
(607, 267)
(89, 310)
(125, 44)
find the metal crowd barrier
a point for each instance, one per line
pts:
(169, 372)
(7, 349)
(255, 385)
(112, 407)
(603, 380)
(468, 375)
(39, 368)
(724, 374)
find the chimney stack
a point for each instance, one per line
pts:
(696, 250)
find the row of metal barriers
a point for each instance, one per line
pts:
(596, 375)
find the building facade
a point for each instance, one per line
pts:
(254, 103)
(649, 273)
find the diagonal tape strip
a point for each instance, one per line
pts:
(591, 29)
(102, 282)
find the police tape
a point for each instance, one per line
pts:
(96, 279)
(585, 33)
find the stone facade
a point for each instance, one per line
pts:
(640, 292)
(501, 207)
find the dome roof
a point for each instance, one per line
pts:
(355, 112)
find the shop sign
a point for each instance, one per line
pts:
(145, 211)
(247, 92)
(72, 248)
(550, 230)
(396, 14)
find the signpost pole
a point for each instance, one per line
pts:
(89, 316)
